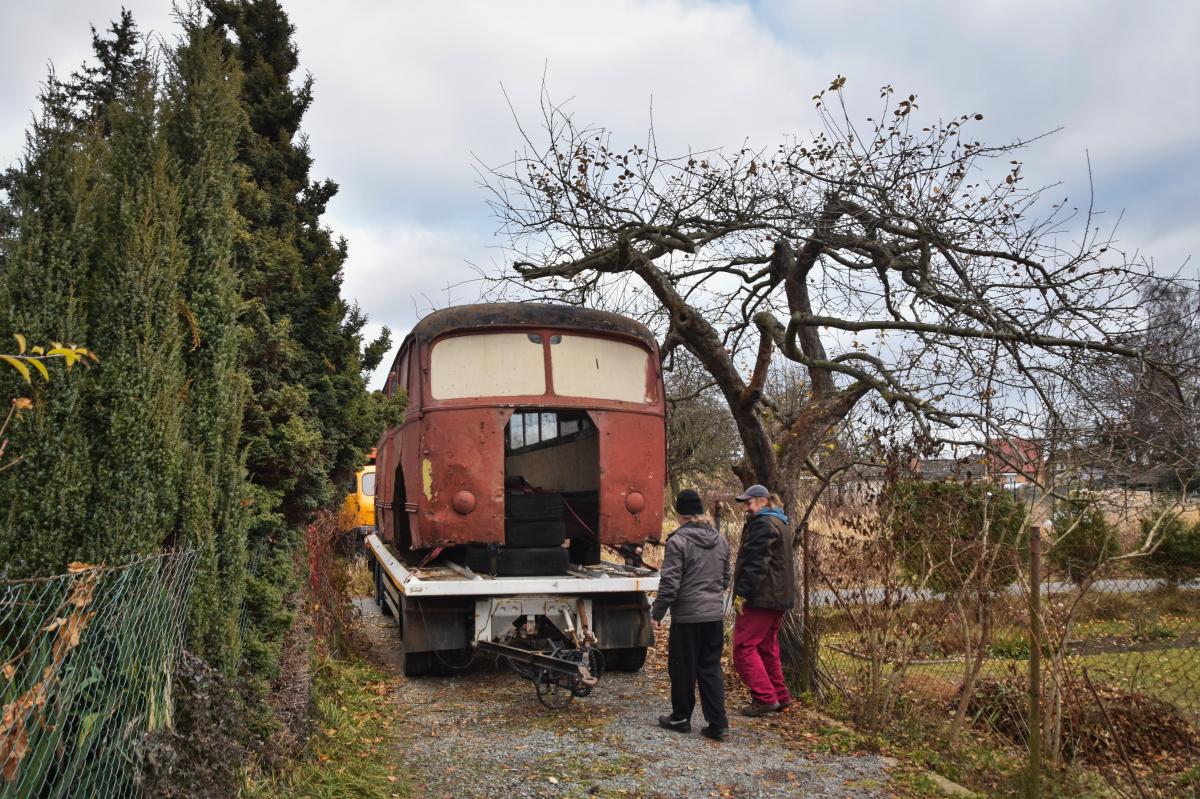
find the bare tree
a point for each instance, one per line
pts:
(1149, 425)
(701, 438)
(908, 265)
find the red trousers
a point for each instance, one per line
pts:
(756, 654)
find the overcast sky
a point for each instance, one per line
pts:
(408, 94)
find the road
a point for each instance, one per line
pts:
(483, 734)
(874, 594)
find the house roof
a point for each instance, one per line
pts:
(970, 467)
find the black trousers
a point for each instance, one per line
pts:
(694, 658)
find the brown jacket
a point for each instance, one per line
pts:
(765, 574)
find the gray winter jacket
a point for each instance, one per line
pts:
(694, 575)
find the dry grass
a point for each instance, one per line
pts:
(358, 580)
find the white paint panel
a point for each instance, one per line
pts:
(500, 364)
(411, 584)
(600, 368)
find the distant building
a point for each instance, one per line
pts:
(1014, 462)
(968, 469)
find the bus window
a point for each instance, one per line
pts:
(600, 368)
(368, 484)
(491, 364)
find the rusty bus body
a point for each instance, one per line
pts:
(534, 436)
(476, 377)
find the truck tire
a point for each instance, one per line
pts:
(481, 560)
(533, 507)
(628, 659)
(535, 534)
(532, 561)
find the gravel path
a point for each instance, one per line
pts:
(484, 734)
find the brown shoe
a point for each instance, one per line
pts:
(756, 709)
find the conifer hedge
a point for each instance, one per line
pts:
(163, 213)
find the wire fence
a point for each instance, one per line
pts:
(945, 645)
(1096, 667)
(87, 662)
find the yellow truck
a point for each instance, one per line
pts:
(357, 518)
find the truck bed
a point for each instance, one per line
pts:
(444, 579)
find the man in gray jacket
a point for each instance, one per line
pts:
(692, 582)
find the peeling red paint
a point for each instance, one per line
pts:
(458, 444)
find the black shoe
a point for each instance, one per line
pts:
(674, 725)
(715, 733)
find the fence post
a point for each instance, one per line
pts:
(1035, 663)
(808, 638)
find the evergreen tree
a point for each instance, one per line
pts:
(309, 421)
(95, 257)
(134, 315)
(173, 228)
(203, 121)
(121, 66)
(44, 502)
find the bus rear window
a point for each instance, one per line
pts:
(600, 368)
(489, 364)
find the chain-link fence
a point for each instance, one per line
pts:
(87, 662)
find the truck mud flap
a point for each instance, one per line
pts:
(436, 624)
(622, 621)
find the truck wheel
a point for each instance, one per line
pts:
(533, 507)
(532, 561)
(628, 659)
(535, 534)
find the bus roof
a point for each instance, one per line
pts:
(505, 314)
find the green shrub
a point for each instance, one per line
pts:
(1086, 539)
(945, 531)
(1175, 556)
(1010, 647)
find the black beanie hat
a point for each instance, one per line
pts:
(688, 503)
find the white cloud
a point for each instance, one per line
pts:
(399, 272)
(406, 92)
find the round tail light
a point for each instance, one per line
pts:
(463, 502)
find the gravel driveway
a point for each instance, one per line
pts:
(484, 734)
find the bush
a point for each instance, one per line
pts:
(945, 531)
(1086, 539)
(202, 755)
(1175, 556)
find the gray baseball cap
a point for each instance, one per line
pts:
(754, 491)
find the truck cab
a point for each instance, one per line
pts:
(357, 516)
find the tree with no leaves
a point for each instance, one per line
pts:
(907, 266)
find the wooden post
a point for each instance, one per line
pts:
(1035, 664)
(808, 667)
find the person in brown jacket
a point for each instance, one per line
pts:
(764, 581)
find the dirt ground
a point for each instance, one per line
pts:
(483, 733)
